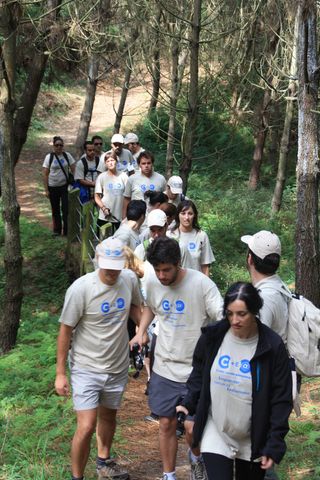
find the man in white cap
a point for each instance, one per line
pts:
(94, 317)
(263, 259)
(126, 162)
(174, 190)
(157, 225)
(131, 142)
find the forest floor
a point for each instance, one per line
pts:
(139, 449)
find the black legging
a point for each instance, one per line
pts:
(58, 197)
(219, 467)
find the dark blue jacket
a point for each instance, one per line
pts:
(271, 389)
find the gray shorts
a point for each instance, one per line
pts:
(165, 395)
(91, 389)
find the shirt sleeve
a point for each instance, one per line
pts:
(140, 252)
(136, 293)
(46, 162)
(207, 256)
(74, 304)
(79, 173)
(99, 184)
(266, 312)
(128, 188)
(71, 159)
(101, 165)
(213, 299)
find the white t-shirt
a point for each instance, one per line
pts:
(227, 431)
(91, 174)
(182, 310)
(99, 314)
(124, 159)
(138, 184)
(136, 156)
(195, 246)
(111, 187)
(128, 236)
(56, 176)
(274, 312)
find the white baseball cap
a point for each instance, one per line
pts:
(110, 254)
(157, 218)
(131, 138)
(263, 243)
(175, 183)
(117, 138)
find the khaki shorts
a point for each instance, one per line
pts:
(91, 389)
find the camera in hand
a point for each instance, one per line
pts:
(137, 356)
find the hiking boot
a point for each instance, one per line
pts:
(198, 470)
(112, 471)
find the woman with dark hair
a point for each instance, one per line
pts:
(56, 167)
(240, 390)
(191, 238)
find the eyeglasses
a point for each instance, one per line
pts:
(98, 143)
(58, 144)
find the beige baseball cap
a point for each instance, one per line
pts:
(156, 218)
(110, 254)
(175, 183)
(117, 138)
(131, 138)
(263, 243)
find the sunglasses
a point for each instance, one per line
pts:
(98, 143)
(58, 144)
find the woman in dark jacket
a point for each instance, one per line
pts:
(240, 389)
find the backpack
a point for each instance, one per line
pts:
(303, 335)
(85, 193)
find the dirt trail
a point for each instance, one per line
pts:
(141, 438)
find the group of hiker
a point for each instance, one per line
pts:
(220, 365)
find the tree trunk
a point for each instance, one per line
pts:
(261, 135)
(285, 138)
(126, 82)
(86, 114)
(28, 101)
(191, 121)
(307, 227)
(177, 69)
(11, 308)
(156, 67)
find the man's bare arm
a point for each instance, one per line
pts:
(63, 344)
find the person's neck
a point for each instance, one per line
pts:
(185, 229)
(257, 276)
(133, 224)
(181, 274)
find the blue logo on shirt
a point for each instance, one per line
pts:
(143, 188)
(152, 187)
(224, 361)
(105, 307)
(245, 366)
(124, 162)
(192, 246)
(166, 305)
(179, 306)
(120, 303)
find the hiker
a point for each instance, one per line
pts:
(94, 326)
(131, 142)
(184, 301)
(144, 180)
(108, 195)
(174, 190)
(129, 230)
(56, 167)
(98, 146)
(191, 238)
(263, 260)
(240, 391)
(86, 172)
(126, 162)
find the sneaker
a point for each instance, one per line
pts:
(112, 471)
(165, 477)
(151, 418)
(198, 470)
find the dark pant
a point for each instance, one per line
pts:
(59, 204)
(219, 467)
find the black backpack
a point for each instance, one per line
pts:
(86, 167)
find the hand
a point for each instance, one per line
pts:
(266, 462)
(137, 339)
(62, 385)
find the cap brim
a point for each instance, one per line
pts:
(246, 239)
(156, 225)
(176, 190)
(109, 264)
